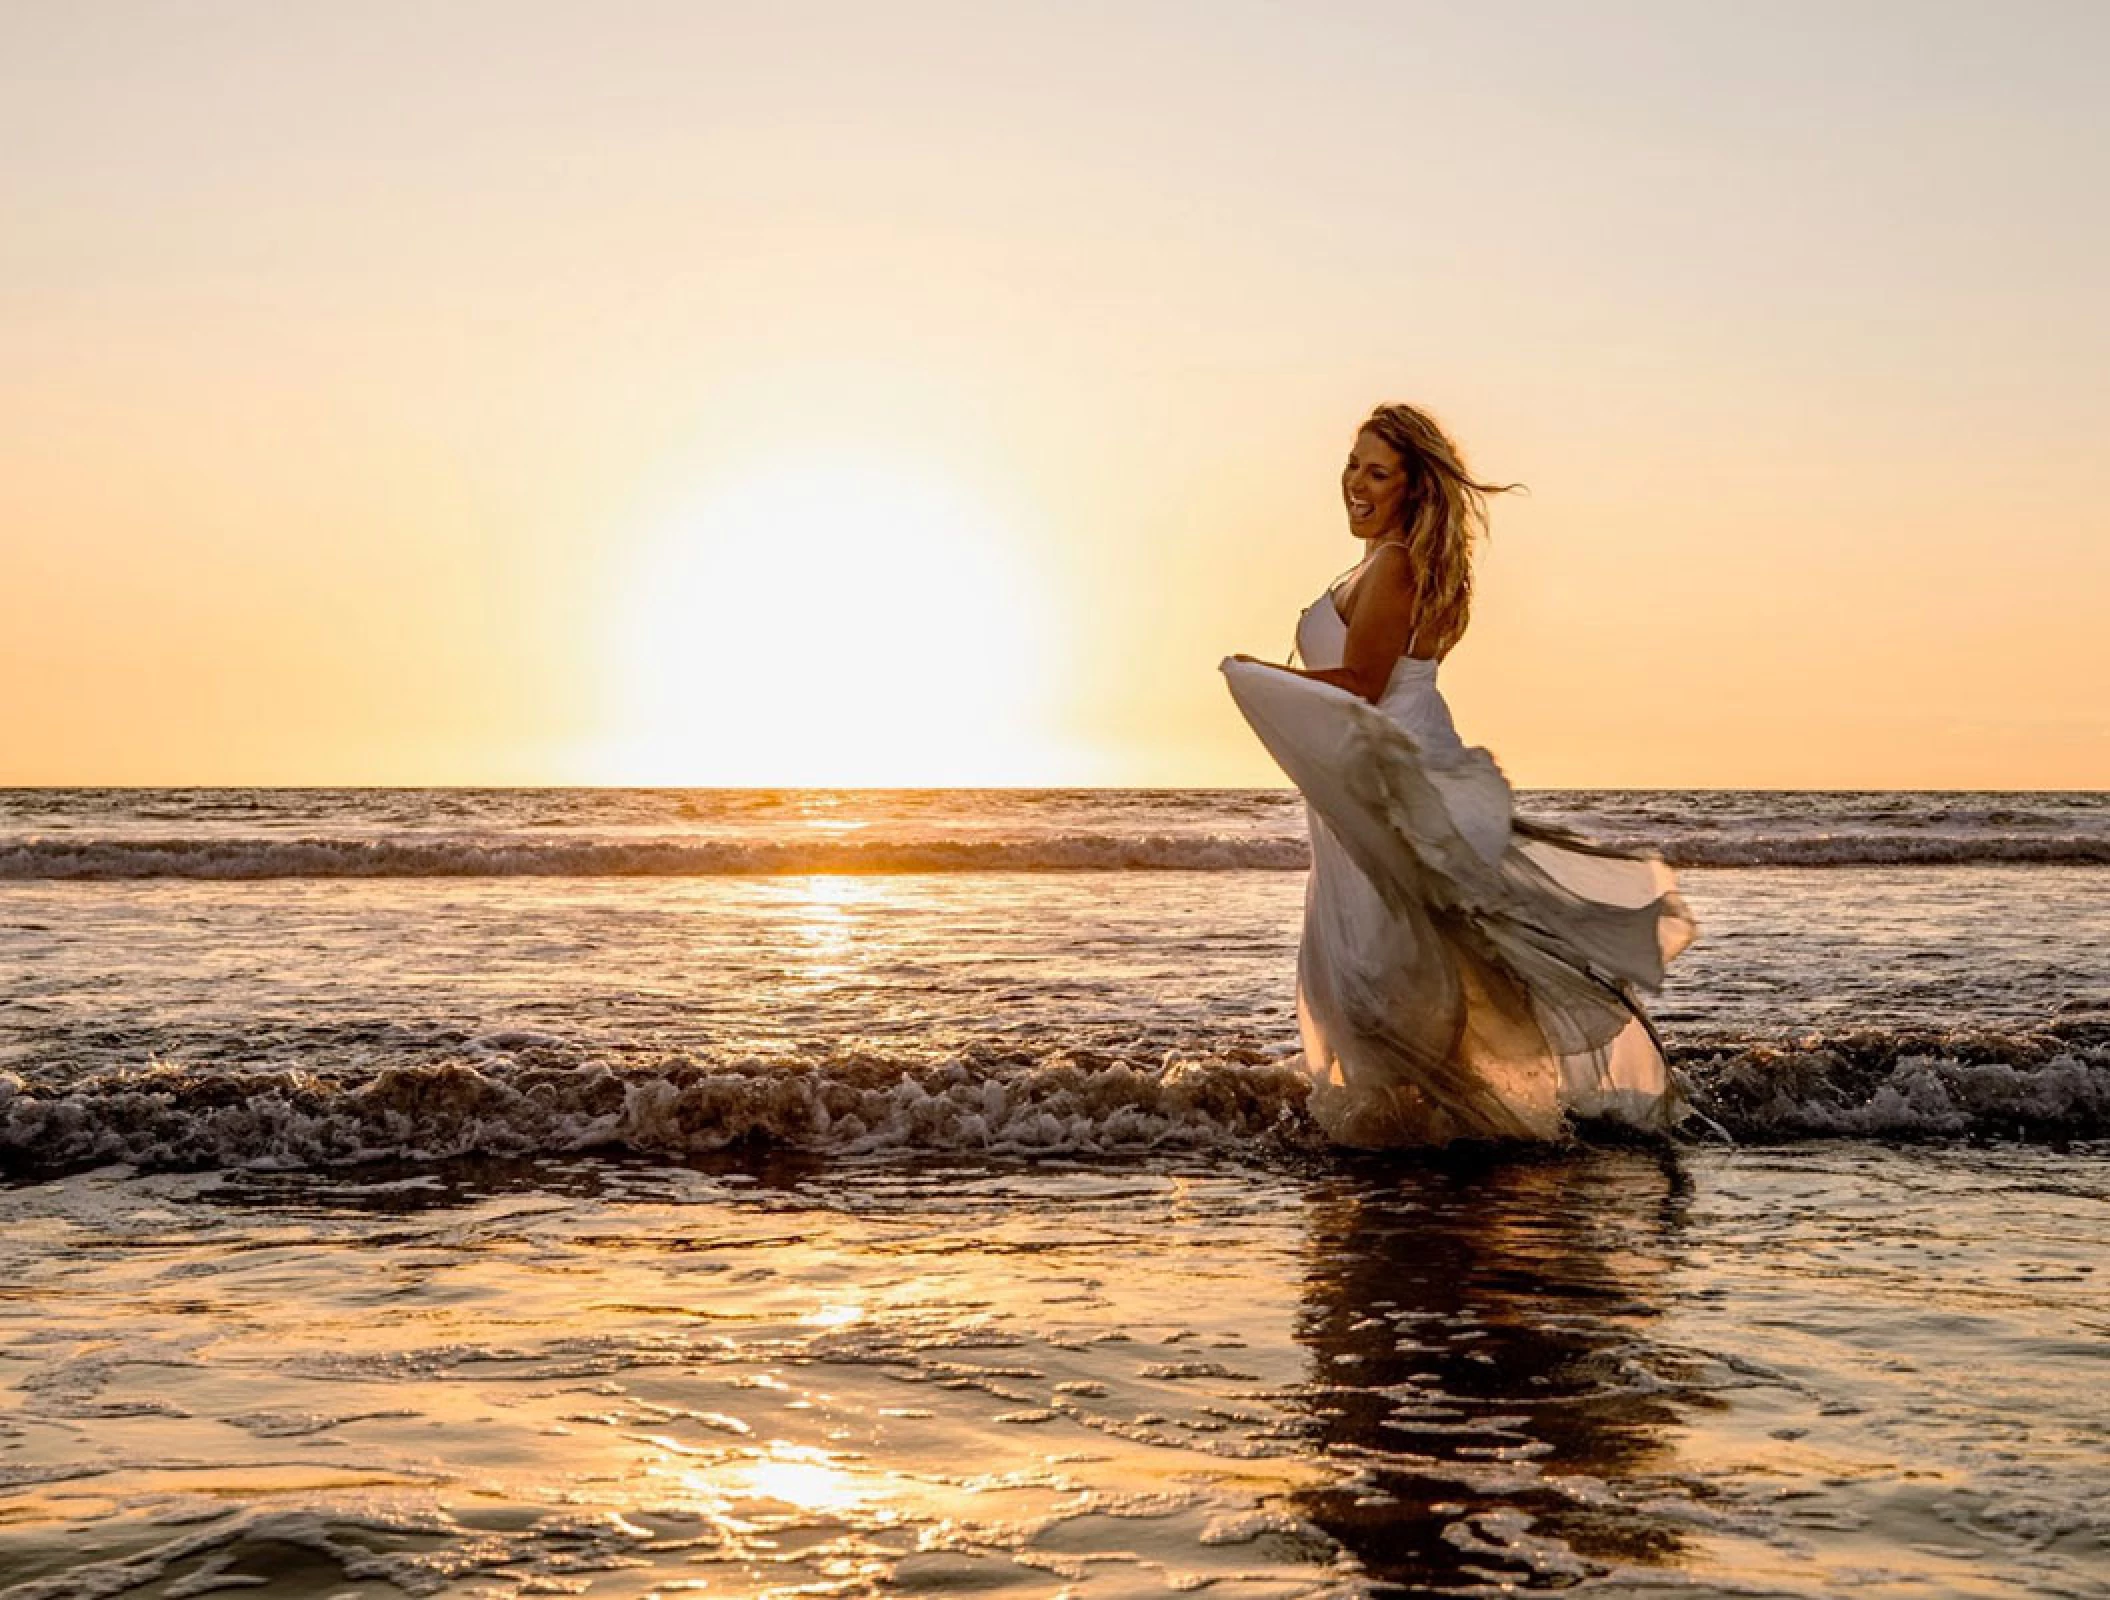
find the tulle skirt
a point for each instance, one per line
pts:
(1463, 973)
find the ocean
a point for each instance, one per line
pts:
(626, 1192)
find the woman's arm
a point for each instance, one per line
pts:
(1339, 677)
(1377, 634)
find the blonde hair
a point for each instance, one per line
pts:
(1445, 510)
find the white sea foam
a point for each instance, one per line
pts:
(2054, 1084)
(224, 857)
(169, 1115)
(2047, 1085)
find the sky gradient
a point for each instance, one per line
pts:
(932, 393)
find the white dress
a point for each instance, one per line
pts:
(1463, 972)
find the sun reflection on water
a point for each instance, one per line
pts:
(834, 1316)
(824, 915)
(793, 1475)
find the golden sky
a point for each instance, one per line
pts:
(932, 393)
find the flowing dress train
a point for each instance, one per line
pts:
(1463, 972)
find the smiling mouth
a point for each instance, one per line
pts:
(1359, 508)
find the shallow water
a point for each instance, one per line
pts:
(1781, 1372)
(302, 1020)
(392, 1202)
(274, 833)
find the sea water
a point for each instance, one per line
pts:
(630, 1192)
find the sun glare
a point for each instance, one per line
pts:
(806, 1480)
(827, 622)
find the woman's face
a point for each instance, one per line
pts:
(1373, 487)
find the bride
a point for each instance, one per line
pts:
(1463, 972)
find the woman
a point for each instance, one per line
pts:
(1463, 973)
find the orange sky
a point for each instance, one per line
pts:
(536, 393)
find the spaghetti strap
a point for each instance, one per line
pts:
(1333, 590)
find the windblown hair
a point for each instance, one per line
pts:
(1445, 510)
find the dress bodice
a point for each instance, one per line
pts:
(1411, 697)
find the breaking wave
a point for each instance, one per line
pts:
(2049, 1084)
(624, 858)
(221, 857)
(515, 1095)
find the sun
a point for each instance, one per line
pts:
(827, 621)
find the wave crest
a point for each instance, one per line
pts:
(655, 858)
(2048, 1085)
(219, 857)
(167, 1115)
(516, 1095)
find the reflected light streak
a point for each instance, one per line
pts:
(824, 916)
(794, 1475)
(835, 1316)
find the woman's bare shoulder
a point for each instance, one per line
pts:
(1386, 568)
